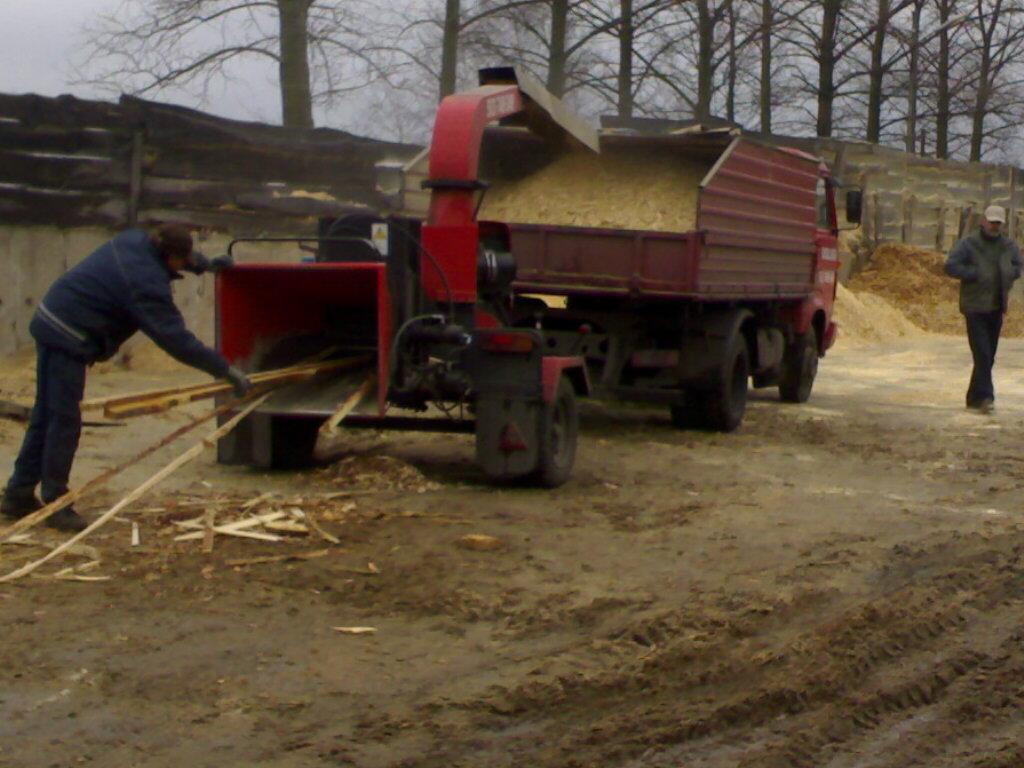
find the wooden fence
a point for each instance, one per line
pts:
(71, 162)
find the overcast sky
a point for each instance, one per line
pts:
(42, 37)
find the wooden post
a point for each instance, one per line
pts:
(908, 219)
(877, 223)
(940, 230)
(135, 177)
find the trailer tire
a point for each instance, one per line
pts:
(559, 428)
(799, 367)
(727, 400)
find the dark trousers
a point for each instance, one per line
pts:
(54, 426)
(983, 335)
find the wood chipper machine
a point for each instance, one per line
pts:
(492, 321)
(427, 302)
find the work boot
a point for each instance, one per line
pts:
(19, 502)
(67, 520)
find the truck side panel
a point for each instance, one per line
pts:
(581, 260)
(757, 209)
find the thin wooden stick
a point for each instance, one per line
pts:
(207, 442)
(208, 532)
(319, 529)
(71, 497)
(322, 448)
(349, 405)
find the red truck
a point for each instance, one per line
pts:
(448, 307)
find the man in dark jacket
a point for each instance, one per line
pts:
(987, 263)
(88, 313)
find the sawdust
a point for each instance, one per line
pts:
(377, 473)
(912, 280)
(624, 190)
(864, 318)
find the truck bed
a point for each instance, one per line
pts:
(755, 239)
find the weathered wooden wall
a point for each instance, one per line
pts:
(70, 162)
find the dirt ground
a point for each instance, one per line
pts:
(837, 584)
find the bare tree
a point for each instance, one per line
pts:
(147, 46)
(998, 35)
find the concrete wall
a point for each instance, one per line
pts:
(32, 257)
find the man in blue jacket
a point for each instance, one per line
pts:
(88, 313)
(987, 263)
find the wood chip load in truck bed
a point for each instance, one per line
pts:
(624, 189)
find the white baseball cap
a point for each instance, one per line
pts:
(996, 213)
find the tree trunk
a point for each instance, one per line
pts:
(626, 59)
(296, 98)
(942, 99)
(827, 65)
(705, 53)
(984, 88)
(767, 22)
(912, 77)
(450, 48)
(556, 61)
(877, 74)
(730, 96)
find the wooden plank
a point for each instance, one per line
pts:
(135, 178)
(62, 173)
(192, 453)
(18, 136)
(155, 401)
(243, 561)
(160, 192)
(170, 122)
(19, 205)
(348, 174)
(238, 223)
(62, 112)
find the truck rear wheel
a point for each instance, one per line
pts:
(721, 407)
(799, 367)
(559, 427)
(727, 401)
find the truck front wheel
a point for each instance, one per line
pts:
(799, 367)
(559, 427)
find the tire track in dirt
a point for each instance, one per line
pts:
(813, 689)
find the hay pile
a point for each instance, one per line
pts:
(622, 190)
(913, 280)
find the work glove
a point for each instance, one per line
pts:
(199, 264)
(239, 381)
(217, 263)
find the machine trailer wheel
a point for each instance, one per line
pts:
(559, 427)
(799, 367)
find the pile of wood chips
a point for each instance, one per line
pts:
(380, 472)
(913, 280)
(617, 189)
